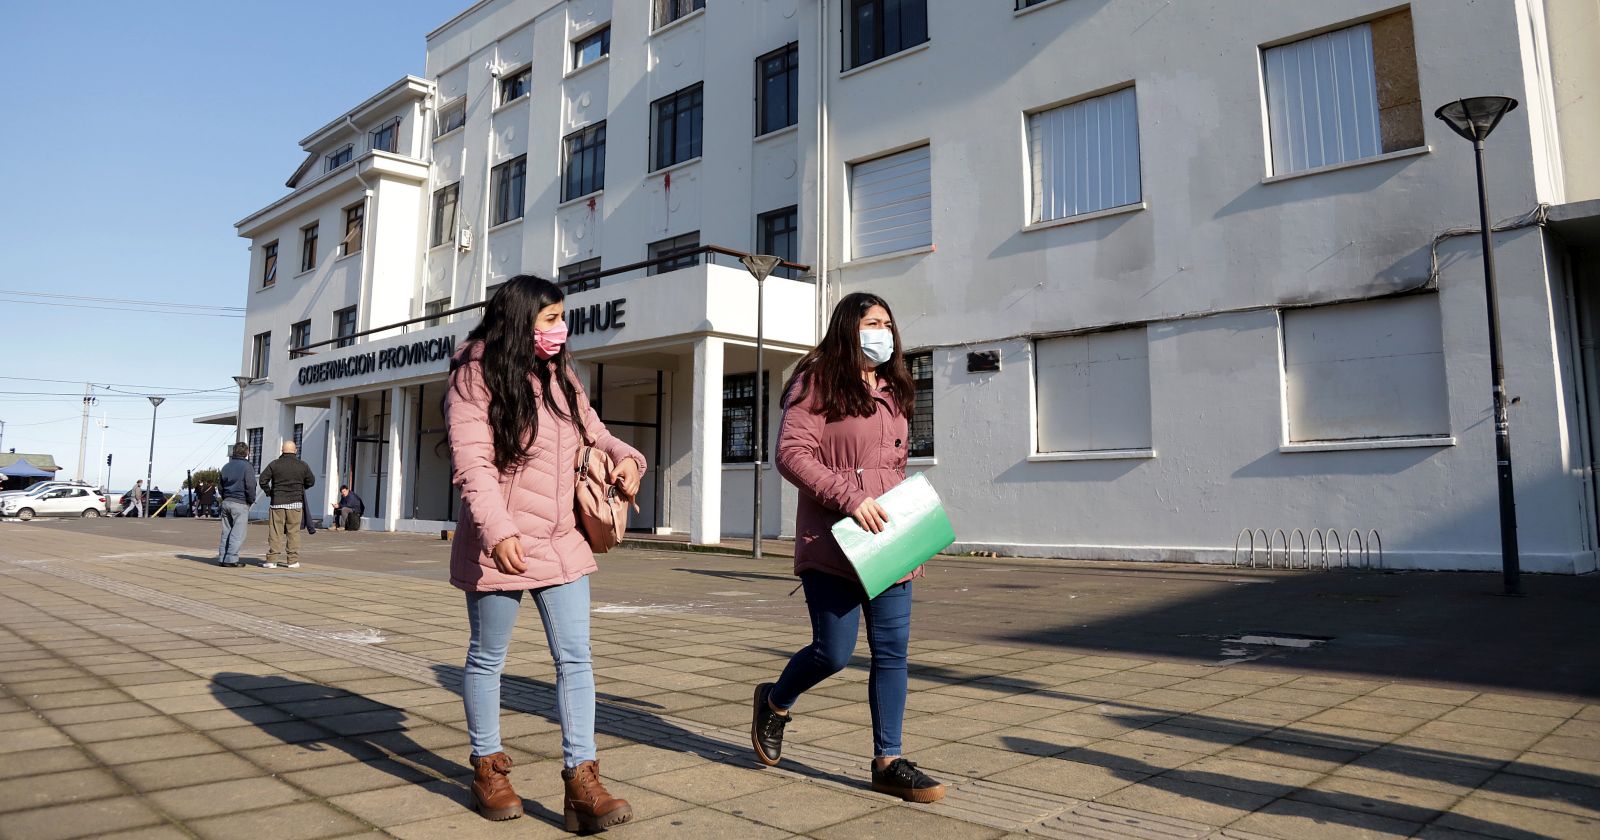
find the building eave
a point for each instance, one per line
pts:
(373, 164)
(407, 86)
(1578, 223)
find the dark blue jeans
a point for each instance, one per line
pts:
(836, 606)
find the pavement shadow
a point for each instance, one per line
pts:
(732, 574)
(621, 718)
(321, 717)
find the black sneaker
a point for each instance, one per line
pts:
(766, 727)
(902, 778)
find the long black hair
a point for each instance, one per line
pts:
(510, 366)
(832, 370)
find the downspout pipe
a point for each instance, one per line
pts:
(822, 171)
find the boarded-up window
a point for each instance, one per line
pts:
(1085, 156)
(891, 204)
(1093, 391)
(1365, 370)
(1343, 95)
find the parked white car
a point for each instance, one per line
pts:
(41, 487)
(86, 502)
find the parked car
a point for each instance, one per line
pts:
(157, 499)
(86, 502)
(41, 487)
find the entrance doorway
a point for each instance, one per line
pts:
(630, 401)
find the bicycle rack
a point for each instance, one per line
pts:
(1326, 549)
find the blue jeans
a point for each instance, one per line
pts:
(565, 612)
(836, 605)
(235, 519)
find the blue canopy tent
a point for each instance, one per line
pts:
(23, 473)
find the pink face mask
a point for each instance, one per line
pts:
(549, 342)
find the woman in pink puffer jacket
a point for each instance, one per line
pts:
(517, 419)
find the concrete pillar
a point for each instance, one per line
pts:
(394, 457)
(705, 459)
(331, 476)
(285, 431)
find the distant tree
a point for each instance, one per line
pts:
(207, 476)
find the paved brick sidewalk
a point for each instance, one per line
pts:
(143, 694)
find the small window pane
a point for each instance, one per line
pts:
(579, 276)
(891, 204)
(1085, 156)
(678, 127)
(739, 418)
(269, 265)
(516, 85)
(1322, 101)
(921, 443)
(444, 213)
(308, 247)
(1093, 391)
(591, 49)
(510, 183)
(682, 250)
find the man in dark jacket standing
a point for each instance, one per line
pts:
(238, 489)
(286, 481)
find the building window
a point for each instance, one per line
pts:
(510, 179)
(1023, 4)
(299, 336)
(881, 28)
(1093, 391)
(591, 48)
(444, 213)
(515, 85)
(344, 326)
(579, 276)
(585, 163)
(668, 11)
(269, 264)
(677, 127)
(341, 157)
(299, 438)
(778, 234)
(453, 116)
(261, 359)
(778, 94)
(1085, 156)
(490, 290)
(677, 252)
(253, 437)
(921, 443)
(435, 310)
(891, 204)
(387, 137)
(739, 417)
(354, 221)
(1367, 370)
(1343, 95)
(308, 247)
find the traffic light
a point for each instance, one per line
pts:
(108, 460)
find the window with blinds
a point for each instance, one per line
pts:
(1344, 95)
(891, 204)
(1085, 156)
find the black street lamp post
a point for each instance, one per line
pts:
(150, 468)
(760, 266)
(1474, 118)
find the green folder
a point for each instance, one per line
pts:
(918, 529)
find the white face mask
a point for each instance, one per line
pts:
(877, 345)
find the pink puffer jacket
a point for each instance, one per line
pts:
(838, 465)
(534, 502)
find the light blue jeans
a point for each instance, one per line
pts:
(565, 612)
(235, 519)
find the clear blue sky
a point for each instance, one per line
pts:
(136, 134)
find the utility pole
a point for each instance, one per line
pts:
(83, 429)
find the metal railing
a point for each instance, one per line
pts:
(582, 282)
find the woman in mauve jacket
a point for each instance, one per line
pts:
(846, 419)
(517, 418)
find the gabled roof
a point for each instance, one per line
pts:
(43, 462)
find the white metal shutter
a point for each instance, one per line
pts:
(891, 204)
(1093, 391)
(1322, 100)
(1356, 371)
(1085, 156)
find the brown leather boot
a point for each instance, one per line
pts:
(588, 806)
(491, 788)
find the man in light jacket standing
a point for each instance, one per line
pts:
(286, 481)
(237, 487)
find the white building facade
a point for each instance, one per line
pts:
(1169, 271)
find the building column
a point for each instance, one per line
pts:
(285, 430)
(330, 454)
(394, 457)
(705, 440)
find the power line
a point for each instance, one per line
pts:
(123, 300)
(102, 384)
(124, 309)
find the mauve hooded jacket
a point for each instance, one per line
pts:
(838, 465)
(533, 502)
